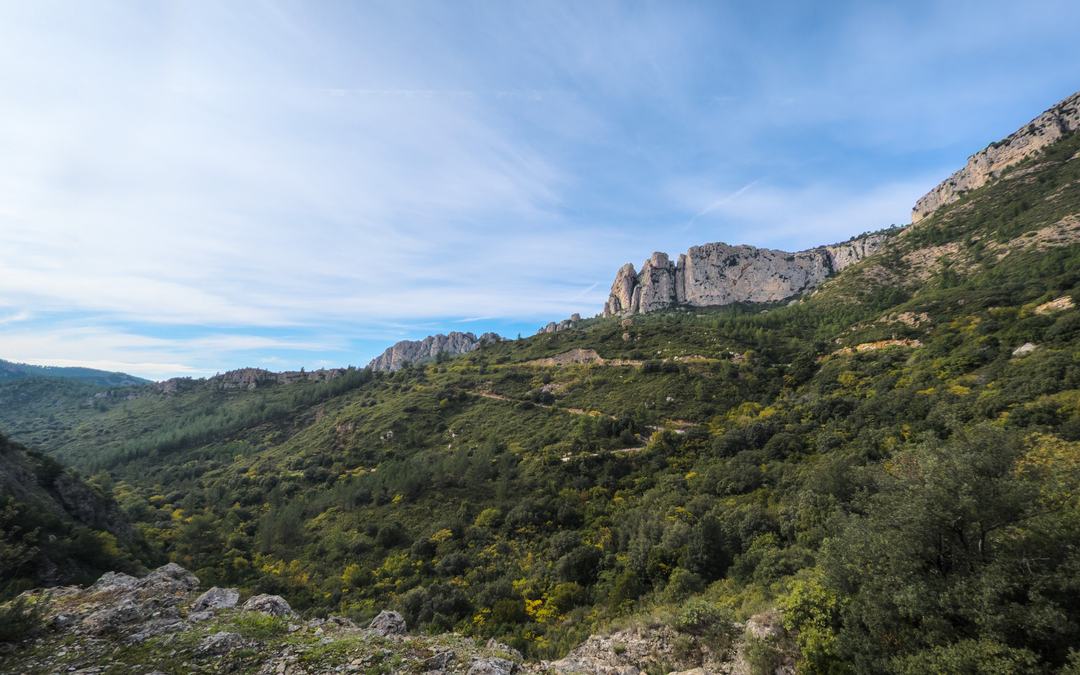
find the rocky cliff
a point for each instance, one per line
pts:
(720, 274)
(987, 164)
(419, 351)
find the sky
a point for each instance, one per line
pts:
(194, 186)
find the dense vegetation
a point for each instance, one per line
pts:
(20, 371)
(874, 460)
(54, 528)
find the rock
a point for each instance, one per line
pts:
(438, 661)
(274, 605)
(112, 582)
(421, 351)
(388, 623)
(112, 618)
(492, 666)
(1024, 349)
(765, 626)
(989, 163)
(203, 615)
(170, 578)
(558, 327)
(1056, 305)
(720, 274)
(221, 643)
(216, 598)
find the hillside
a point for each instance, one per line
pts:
(54, 527)
(19, 371)
(891, 462)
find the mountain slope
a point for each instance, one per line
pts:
(55, 528)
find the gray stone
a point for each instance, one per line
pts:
(170, 578)
(113, 581)
(388, 623)
(216, 598)
(492, 666)
(274, 605)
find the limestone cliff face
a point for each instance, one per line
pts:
(720, 274)
(987, 164)
(419, 351)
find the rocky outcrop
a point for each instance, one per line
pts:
(988, 164)
(721, 274)
(560, 326)
(160, 623)
(253, 378)
(420, 351)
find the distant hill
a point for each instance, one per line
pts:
(10, 370)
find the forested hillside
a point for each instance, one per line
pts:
(893, 462)
(55, 528)
(21, 371)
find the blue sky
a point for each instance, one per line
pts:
(188, 187)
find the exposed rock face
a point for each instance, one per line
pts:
(419, 351)
(987, 164)
(253, 378)
(720, 274)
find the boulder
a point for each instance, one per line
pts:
(113, 582)
(216, 598)
(388, 623)
(169, 579)
(1025, 349)
(274, 605)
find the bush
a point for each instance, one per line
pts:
(21, 618)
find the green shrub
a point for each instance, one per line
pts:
(21, 618)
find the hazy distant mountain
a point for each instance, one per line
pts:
(18, 371)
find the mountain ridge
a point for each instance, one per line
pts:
(984, 166)
(11, 370)
(717, 274)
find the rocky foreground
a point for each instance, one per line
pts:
(162, 623)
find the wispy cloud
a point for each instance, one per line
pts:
(14, 318)
(291, 183)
